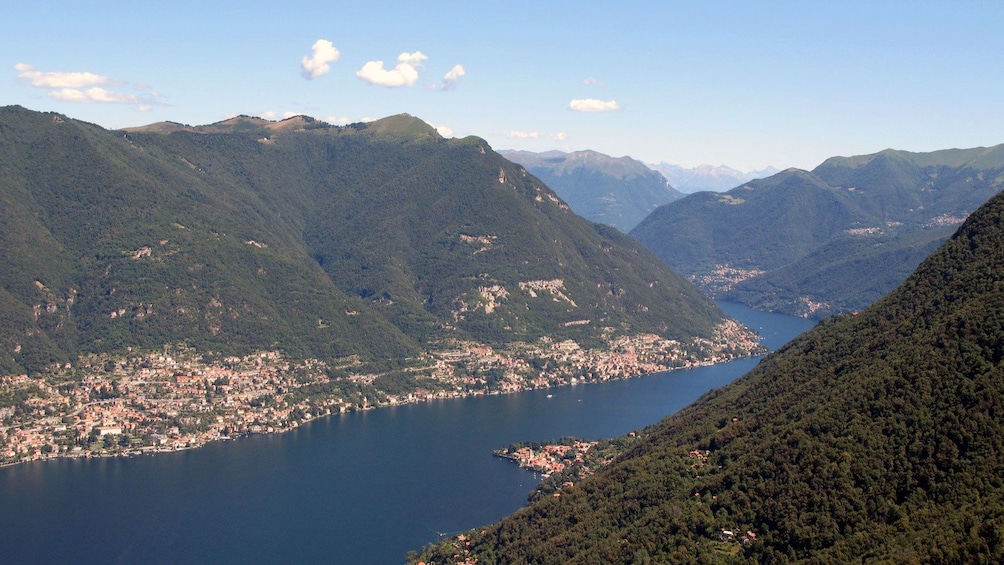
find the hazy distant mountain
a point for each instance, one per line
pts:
(830, 240)
(708, 177)
(371, 242)
(871, 438)
(617, 191)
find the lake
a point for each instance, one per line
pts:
(363, 487)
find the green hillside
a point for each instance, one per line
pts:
(378, 242)
(618, 192)
(820, 242)
(875, 437)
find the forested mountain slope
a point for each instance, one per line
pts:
(873, 437)
(376, 242)
(830, 240)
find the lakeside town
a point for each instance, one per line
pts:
(550, 458)
(179, 399)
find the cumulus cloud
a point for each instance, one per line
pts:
(560, 136)
(405, 73)
(452, 78)
(444, 131)
(593, 105)
(516, 134)
(323, 53)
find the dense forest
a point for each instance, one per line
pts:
(874, 437)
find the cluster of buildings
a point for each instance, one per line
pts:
(176, 399)
(153, 402)
(478, 368)
(723, 277)
(550, 458)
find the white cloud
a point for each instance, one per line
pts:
(452, 78)
(444, 131)
(57, 79)
(323, 52)
(524, 134)
(560, 136)
(337, 120)
(93, 94)
(405, 73)
(593, 105)
(73, 87)
(592, 81)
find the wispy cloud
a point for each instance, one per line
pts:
(593, 105)
(405, 73)
(82, 87)
(41, 79)
(323, 53)
(560, 136)
(516, 134)
(93, 94)
(592, 81)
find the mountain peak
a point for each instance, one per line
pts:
(402, 125)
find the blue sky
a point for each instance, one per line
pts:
(745, 84)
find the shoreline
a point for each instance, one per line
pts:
(175, 400)
(191, 445)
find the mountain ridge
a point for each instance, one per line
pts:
(379, 239)
(732, 243)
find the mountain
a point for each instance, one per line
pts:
(617, 191)
(874, 437)
(369, 246)
(708, 177)
(830, 240)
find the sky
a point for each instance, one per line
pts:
(743, 84)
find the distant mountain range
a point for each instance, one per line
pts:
(374, 244)
(617, 191)
(874, 437)
(831, 240)
(708, 177)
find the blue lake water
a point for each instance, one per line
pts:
(355, 488)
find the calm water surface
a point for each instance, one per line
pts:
(355, 488)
